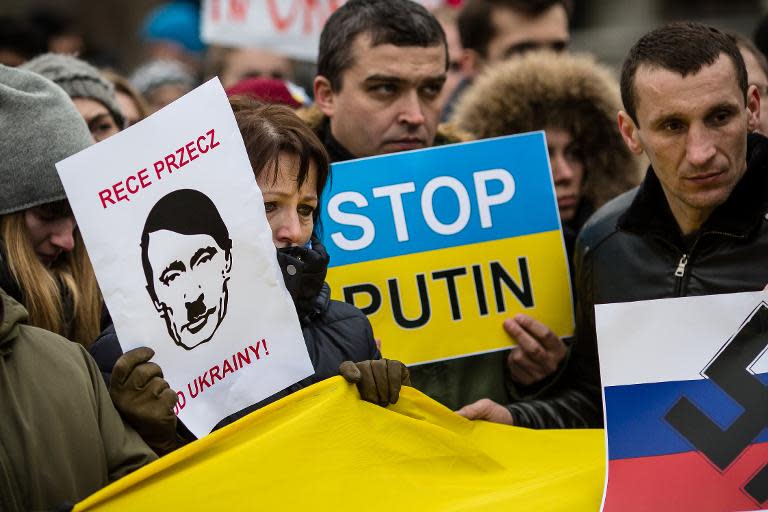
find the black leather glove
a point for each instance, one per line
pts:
(378, 381)
(145, 400)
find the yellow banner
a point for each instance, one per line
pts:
(450, 302)
(323, 448)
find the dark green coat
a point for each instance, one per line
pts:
(61, 438)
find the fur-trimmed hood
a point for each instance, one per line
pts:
(447, 133)
(566, 91)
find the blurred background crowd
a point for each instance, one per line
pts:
(128, 38)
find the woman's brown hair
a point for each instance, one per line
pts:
(269, 130)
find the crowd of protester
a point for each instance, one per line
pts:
(659, 177)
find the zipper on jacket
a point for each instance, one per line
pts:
(682, 265)
(680, 274)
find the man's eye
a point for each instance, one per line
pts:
(269, 206)
(672, 126)
(306, 210)
(721, 118)
(431, 91)
(383, 89)
(168, 277)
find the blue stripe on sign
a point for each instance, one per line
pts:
(636, 425)
(532, 208)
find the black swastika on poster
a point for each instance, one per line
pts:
(729, 370)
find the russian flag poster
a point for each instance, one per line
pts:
(685, 393)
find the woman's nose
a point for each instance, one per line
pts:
(288, 232)
(63, 234)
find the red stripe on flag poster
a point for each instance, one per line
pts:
(683, 482)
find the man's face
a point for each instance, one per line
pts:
(190, 274)
(694, 131)
(517, 32)
(389, 98)
(757, 77)
(254, 62)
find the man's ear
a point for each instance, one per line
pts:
(753, 107)
(324, 97)
(628, 131)
(227, 262)
(471, 63)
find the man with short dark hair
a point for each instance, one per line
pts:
(381, 67)
(697, 224)
(186, 256)
(494, 30)
(757, 74)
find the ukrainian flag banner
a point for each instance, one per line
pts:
(322, 448)
(438, 246)
(685, 383)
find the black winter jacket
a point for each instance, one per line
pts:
(632, 249)
(333, 331)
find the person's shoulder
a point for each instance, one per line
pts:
(37, 337)
(345, 328)
(604, 222)
(339, 311)
(51, 352)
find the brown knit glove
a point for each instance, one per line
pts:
(144, 399)
(378, 381)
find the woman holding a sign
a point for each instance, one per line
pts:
(291, 168)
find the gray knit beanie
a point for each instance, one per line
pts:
(40, 126)
(78, 79)
(157, 73)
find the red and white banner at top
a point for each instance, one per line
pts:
(291, 27)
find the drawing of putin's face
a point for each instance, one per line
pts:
(187, 261)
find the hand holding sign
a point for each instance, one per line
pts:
(144, 399)
(447, 242)
(539, 351)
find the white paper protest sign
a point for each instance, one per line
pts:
(685, 388)
(291, 27)
(175, 227)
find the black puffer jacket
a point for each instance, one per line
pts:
(632, 249)
(333, 331)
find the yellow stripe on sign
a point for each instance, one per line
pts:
(452, 302)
